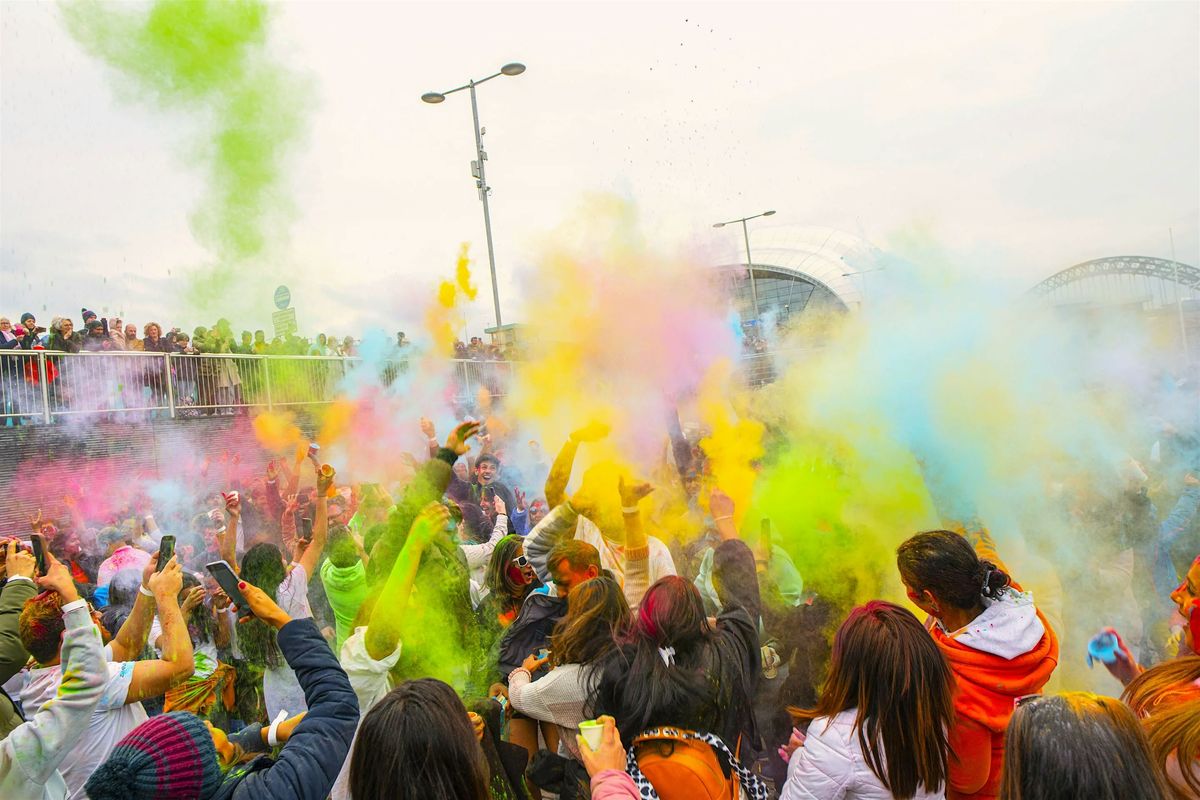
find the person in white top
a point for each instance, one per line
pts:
(121, 554)
(369, 654)
(31, 753)
(595, 609)
(263, 565)
(128, 682)
(879, 730)
(602, 513)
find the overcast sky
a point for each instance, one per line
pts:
(1025, 137)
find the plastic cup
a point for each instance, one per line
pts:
(592, 730)
(1103, 648)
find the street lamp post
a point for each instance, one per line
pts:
(749, 261)
(478, 170)
(863, 274)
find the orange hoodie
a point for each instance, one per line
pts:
(988, 687)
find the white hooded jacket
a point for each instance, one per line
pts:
(831, 766)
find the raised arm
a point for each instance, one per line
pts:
(19, 570)
(427, 487)
(478, 555)
(130, 640)
(637, 547)
(38, 746)
(233, 508)
(309, 763)
(383, 629)
(564, 462)
(680, 448)
(312, 553)
(154, 677)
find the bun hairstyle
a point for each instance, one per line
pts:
(945, 564)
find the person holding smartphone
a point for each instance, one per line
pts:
(31, 752)
(177, 756)
(129, 681)
(287, 584)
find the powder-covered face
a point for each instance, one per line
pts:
(486, 472)
(1186, 597)
(130, 332)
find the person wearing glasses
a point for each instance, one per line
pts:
(516, 600)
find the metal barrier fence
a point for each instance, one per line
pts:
(42, 386)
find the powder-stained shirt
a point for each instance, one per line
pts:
(111, 720)
(124, 557)
(369, 679)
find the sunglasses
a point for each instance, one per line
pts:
(521, 561)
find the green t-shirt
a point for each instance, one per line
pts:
(346, 589)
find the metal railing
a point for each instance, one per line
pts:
(42, 386)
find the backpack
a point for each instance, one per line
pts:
(677, 764)
(530, 631)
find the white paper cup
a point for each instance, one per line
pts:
(592, 731)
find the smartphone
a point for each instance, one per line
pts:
(306, 529)
(39, 552)
(228, 581)
(166, 549)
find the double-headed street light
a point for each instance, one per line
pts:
(477, 166)
(749, 261)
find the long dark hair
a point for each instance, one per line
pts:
(418, 737)
(1078, 745)
(945, 564)
(888, 669)
(597, 616)
(262, 566)
(496, 576)
(200, 622)
(641, 687)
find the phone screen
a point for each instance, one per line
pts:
(166, 549)
(228, 581)
(39, 552)
(306, 529)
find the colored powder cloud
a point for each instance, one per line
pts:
(209, 60)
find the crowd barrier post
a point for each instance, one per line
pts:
(170, 383)
(45, 386)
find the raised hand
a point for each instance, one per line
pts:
(520, 497)
(632, 492)
(325, 475)
(166, 584)
(429, 523)
(498, 505)
(193, 598)
(720, 504)
(592, 432)
(58, 579)
(457, 440)
(18, 561)
(427, 428)
(263, 606)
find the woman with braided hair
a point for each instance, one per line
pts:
(999, 646)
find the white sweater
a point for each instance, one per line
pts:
(30, 755)
(831, 766)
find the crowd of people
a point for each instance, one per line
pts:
(102, 334)
(213, 386)
(482, 632)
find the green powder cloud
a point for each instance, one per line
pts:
(211, 60)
